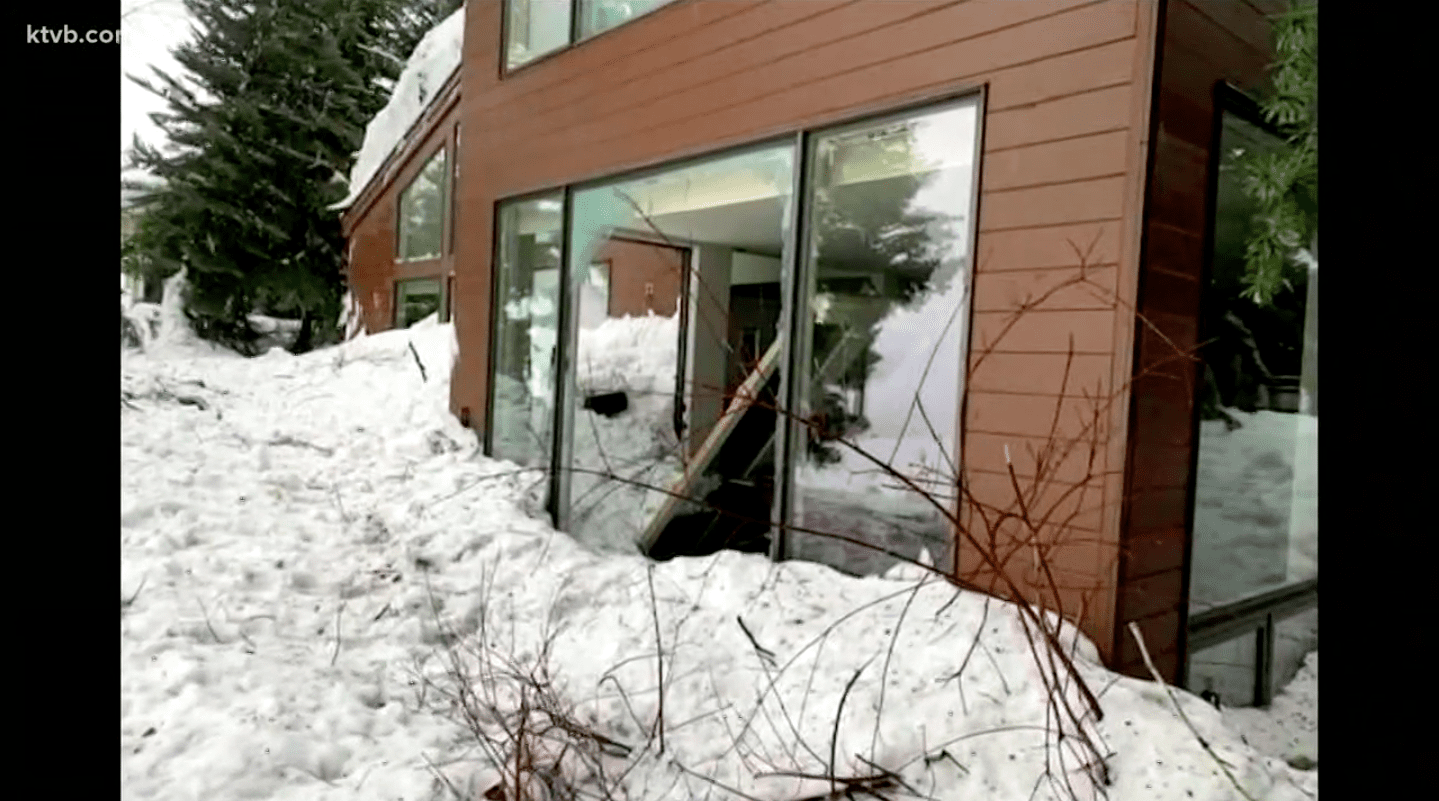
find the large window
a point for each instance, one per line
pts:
(422, 212)
(1255, 534)
(415, 300)
(526, 329)
(887, 279)
(536, 27)
(654, 264)
(668, 376)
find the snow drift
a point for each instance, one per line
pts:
(299, 550)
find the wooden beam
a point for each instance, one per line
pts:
(744, 398)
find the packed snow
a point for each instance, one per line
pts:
(636, 356)
(436, 57)
(306, 541)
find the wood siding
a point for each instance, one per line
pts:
(371, 223)
(1065, 144)
(1203, 43)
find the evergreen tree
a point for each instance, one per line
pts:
(1285, 184)
(262, 136)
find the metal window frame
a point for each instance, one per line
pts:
(799, 289)
(551, 193)
(1257, 612)
(400, 297)
(572, 41)
(799, 139)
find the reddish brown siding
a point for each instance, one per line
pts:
(371, 227)
(1068, 88)
(1203, 43)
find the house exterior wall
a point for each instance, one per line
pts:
(1202, 43)
(1068, 88)
(371, 224)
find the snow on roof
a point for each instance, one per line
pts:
(435, 58)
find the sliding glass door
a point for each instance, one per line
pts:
(703, 383)
(652, 407)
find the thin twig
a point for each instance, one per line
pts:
(714, 782)
(418, 363)
(659, 657)
(888, 654)
(336, 654)
(206, 613)
(1144, 652)
(764, 653)
(838, 714)
(126, 603)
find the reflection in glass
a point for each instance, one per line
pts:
(889, 269)
(1256, 491)
(421, 212)
(417, 299)
(534, 28)
(526, 324)
(601, 15)
(669, 273)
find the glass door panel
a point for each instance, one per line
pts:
(886, 282)
(526, 324)
(660, 267)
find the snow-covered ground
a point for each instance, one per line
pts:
(302, 537)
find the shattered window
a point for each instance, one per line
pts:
(675, 279)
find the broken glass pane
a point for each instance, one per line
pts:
(675, 278)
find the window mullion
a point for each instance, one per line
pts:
(564, 377)
(794, 306)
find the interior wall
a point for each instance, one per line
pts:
(709, 315)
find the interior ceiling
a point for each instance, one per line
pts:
(754, 225)
(757, 226)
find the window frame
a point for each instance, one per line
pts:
(572, 39)
(798, 291)
(448, 309)
(451, 200)
(398, 302)
(562, 193)
(801, 138)
(441, 150)
(1257, 611)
